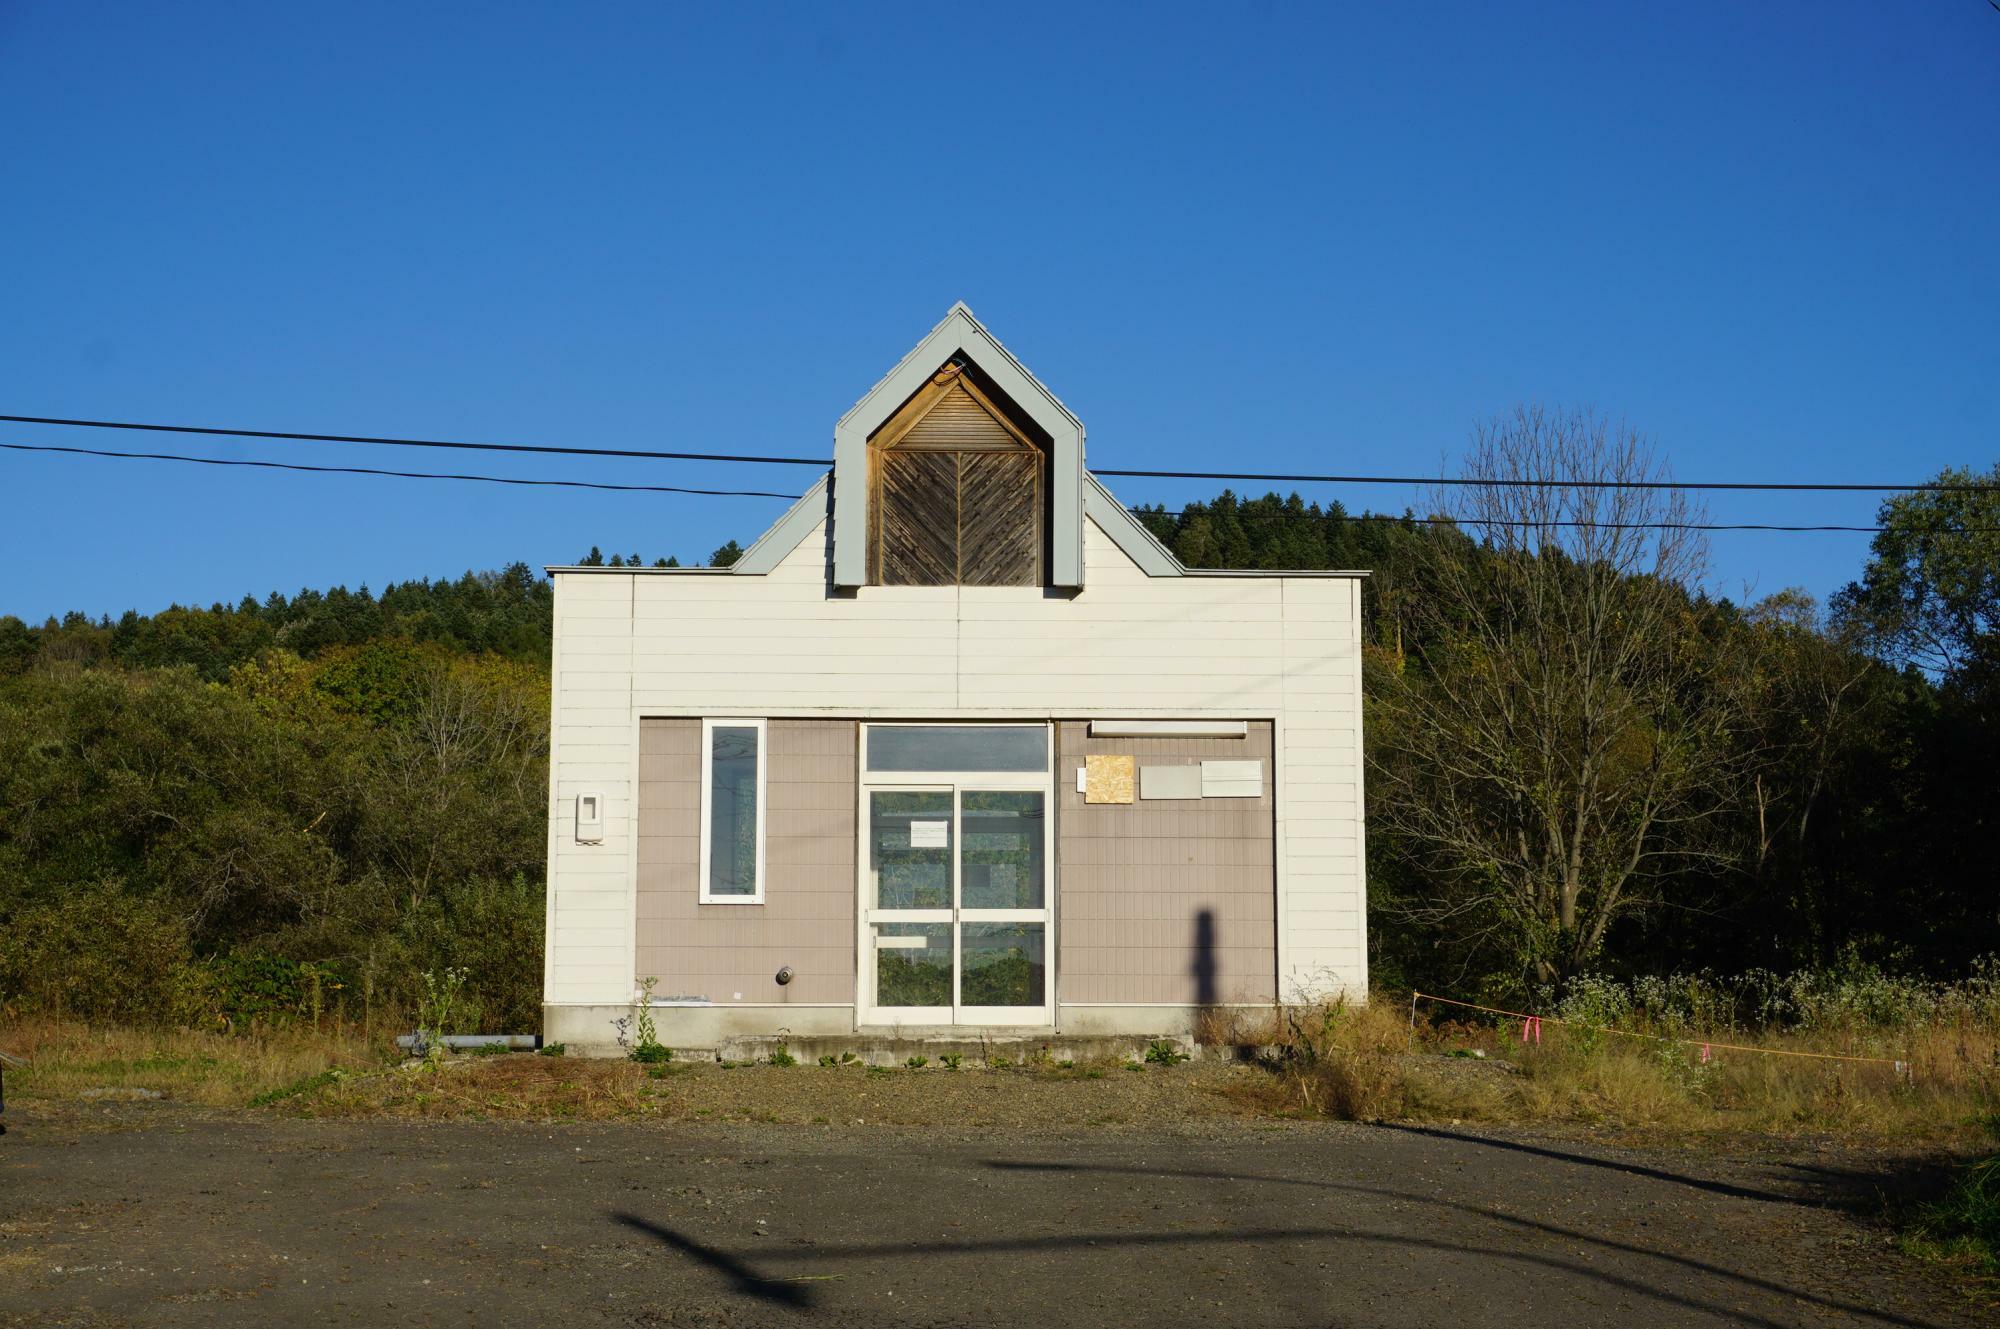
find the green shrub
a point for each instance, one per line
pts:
(917, 1063)
(254, 986)
(100, 952)
(1163, 1053)
(951, 1060)
(554, 1049)
(782, 1056)
(1965, 1225)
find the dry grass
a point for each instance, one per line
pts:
(525, 1088)
(70, 1060)
(1950, 1090)
(1365, 1062)
(1342, 1060)
(509, 1088)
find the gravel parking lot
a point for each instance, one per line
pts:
(161, 1216)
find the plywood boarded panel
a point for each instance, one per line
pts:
(919, 519)
(1000, 519)
(1107, 778)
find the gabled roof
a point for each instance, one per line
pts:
(1074, 492)
(958, 334)
(787, 532)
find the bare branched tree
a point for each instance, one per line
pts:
(1558, 741)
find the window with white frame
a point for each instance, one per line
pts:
(732, 812)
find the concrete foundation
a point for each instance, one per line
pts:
(745, 1033)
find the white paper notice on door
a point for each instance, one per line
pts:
(930, 834)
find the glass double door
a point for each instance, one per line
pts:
(955, 898)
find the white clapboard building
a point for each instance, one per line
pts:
(956, 747)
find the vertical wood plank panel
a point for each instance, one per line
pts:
(919, 519)
(1000, 519)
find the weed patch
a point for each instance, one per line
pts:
(1964, 1228)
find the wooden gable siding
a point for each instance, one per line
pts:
(958, 488)
(956, 421)
(959, 519)
(919, 519)
(999, 519)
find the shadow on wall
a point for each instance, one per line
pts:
(1204, 960)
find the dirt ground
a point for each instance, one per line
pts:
(157, 1214)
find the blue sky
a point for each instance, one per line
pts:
(1269, 237)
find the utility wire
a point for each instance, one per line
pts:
(760, 493)
(1324, 517)
(1536, 483)
(413, 442)
(1266, 477)
(400, 475)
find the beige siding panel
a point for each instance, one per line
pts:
(1171, 901)
(807, 918)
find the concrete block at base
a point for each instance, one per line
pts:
(744, 1033)
(934, 1045)
(592, 1031)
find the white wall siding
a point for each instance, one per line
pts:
(592, 749)
(1322, 890)
(1128, 645)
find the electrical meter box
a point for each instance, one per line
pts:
(590, 819)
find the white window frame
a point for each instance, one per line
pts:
(870, 1016)
(708, 728)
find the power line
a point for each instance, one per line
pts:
(400, 475)
(1558, 483)
(412, 442)
(1263, 477)
(760, 493)
(1537, 525)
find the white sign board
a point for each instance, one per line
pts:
(1169, 782)
(930, 834)
(1232, 779)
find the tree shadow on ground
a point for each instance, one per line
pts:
(1664, 1290)
(1713, 1187)
(1518, 1223)
(1888, 1184)
(740, 1274)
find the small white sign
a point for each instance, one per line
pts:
(1232, 779)
(930, 834)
